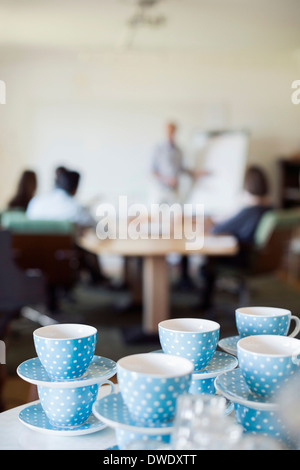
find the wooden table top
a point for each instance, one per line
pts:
(213, 245)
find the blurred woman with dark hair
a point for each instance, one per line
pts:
(256, 184)
(26, 190)
(244, 223)
(242, 226)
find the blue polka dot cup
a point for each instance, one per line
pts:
(192, 338)
(65, 350)
(267, 362)
(251, 321)
(268, 423)
(69, 407)
(151, 383)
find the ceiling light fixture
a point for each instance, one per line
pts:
(142, 18)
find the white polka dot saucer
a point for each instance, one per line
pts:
(229, 344)
(65, 408)
(113, 411)
(256, 415)
(220, 363)
(100, 369)
(34, 417)
(232, 386)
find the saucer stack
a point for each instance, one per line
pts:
(143, 411)
(254, 321)
(268, 359)
(257, 415)
(129, 431)
(68, 377)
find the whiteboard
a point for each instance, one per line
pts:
(223, 155)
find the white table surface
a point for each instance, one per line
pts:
(14, 435)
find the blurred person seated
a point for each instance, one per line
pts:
(61, 204)
(26, 190)
(242, 226)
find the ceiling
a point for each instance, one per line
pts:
(265, 28)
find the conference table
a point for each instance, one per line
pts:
(155, 274)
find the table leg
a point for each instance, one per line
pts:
(133, 278)
(155, 293)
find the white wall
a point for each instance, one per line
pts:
(103, 114)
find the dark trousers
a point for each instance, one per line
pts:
(90, 263)
(210, 271)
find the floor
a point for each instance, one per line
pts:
(103, 308)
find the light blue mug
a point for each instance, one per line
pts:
(195, 339)
(151, 383)
(69, 407)
(65, 350)
(266, 422)
(268, 362)
(252, 321)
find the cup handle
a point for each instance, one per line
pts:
(296, 358)
(297, 327)
(108, 382)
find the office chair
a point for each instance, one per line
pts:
(48, 246)
(18, 288)
(272, 239)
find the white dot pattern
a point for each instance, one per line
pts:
(151, 399)
(113, 411)
(251, 325)
(229, 344)
(203, 386)
(68, 407)
(266, 423)
(100, 369)
(198, 347)
(65, 359)
(233, 386)
(265, 375)
(35, 417)
(203, 381)
(220, 363)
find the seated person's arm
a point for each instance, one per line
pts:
(231, 226)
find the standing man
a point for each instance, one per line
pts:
(168, 167)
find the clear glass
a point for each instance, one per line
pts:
(289, 409)
(201, 423)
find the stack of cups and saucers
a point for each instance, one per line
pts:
(143, 411)
(268, 363)
(68, 376)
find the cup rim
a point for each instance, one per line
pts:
(87, 331)
(165, 325)
(256, 340)
(254, 311)
(127, 364)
